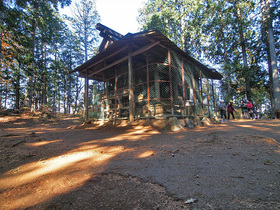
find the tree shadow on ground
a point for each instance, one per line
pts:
(69, 162)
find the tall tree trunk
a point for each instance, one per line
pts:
(86, 46)
(65, 95)
(271, 89)
(272, 61)
(1, 33)
(69, 85)
(77, 95)
(6, 96)
(58, 102)
(1, 37)
(44, 86)
(244, 54)
(55, 81)
(17, 88)
(30, 77)
(183, 23)
(226, 61)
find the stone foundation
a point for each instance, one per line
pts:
(165, 123)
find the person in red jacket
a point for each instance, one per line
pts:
(250, 109)
(230, 110)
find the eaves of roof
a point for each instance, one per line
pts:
(142, 39)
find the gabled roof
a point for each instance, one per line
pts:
(117, 51)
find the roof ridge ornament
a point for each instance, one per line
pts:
(109, 36)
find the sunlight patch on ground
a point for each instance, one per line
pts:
(133, 135)
(272, 124)
(245, 126)
(35, 194)
(259, 128)
(223, 125)
(20, 123)
(28, 186)
(41, 143)
(61, 172)
(146, 154)
(14, 129)
(32, 171)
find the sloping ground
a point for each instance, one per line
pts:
(47, 164)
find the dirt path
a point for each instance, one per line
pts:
(52, 165)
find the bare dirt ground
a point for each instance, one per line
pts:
(56, 164)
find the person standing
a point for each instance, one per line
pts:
(243, 107)
(250, 109)
(230, 110)
(222, 108)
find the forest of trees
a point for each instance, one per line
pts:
(39, 47)
(241, 37)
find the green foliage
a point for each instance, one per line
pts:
(85, 17)
(227, 32)
(36, 44)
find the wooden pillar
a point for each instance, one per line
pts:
(184, 88)
(201, 92)
(130, 86)
(107, 99)
(86, 97)
(194, 93)
(148, 84)
(213, 95)
(208, 97)
(103, 101)
(116, 81)
(93, 100)
(170, 80)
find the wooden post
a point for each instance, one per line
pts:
(86, 97)
(213, 95)
(170, 80)
(103, 101)
(208, 97)
(201, 92)
(93, 100)
(194, 93)
(183, 83)
(148, 84)
(116, 81)
(130, 86)
(107, 100)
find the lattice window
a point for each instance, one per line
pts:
(122, 81)
(140, 76)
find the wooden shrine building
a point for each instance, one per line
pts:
(145, 75)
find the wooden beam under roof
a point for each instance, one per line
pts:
(143, 49)
(104, 59)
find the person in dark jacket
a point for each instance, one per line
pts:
(222, 108)
(230, 110)
(243, 106)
